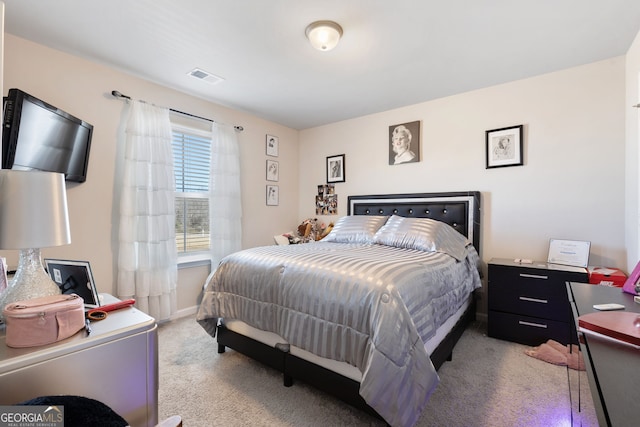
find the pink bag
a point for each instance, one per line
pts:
(44, 320)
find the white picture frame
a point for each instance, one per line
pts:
(271, 143)
(74, 277)
(273, 170)
(569, 252)
(273, 195)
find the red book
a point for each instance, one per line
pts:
(621, 325)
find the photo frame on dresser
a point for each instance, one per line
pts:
(574, 253)
(74, 277)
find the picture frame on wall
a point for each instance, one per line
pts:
(404, 143)
(272, 143)
(273, 170)
(335, 168)
(74, 277)
(504, 147)
(273, 195)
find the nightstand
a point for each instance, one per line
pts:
(117, 364)
(528, 303)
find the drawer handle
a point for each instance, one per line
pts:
(541, 301)
(534, 276)
(537, 325)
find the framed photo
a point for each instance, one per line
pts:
(74, 277)
(504, 147)
(404, 143)
(335, 168)
(569, 252)
(272, 195)
(272, 145)
(273, 170)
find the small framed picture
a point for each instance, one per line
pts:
(569, 252)
(504, 147)
(272, 195)
(272, 145)
(335, 168)
(273, 170)
(74, 277)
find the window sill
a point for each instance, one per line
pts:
(194, 260)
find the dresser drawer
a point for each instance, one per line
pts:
(506, 273)
(530, 291)
(527, 330)
(531, 297)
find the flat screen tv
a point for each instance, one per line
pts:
(39, 136)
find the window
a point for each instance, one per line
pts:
(191, 155)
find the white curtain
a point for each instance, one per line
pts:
(147, 257)
(225, 206)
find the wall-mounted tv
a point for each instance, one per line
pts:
(39, 136)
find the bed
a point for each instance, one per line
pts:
(351, 314)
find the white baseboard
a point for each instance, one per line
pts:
(185, 312)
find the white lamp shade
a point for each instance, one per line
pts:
(324, 35)
(33, 210)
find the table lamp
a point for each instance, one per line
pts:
(33, 215)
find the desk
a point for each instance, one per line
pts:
(613, 369)
(117, 364)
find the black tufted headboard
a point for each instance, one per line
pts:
(461, 210)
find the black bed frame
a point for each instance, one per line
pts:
(461, 210)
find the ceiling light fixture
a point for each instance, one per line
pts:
(324, 35)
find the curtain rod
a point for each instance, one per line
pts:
(117, 94)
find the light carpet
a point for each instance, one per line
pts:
(489, 382)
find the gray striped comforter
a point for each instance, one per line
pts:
(370, 305)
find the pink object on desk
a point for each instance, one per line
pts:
(630, 285)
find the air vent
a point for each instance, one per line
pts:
(205, 75)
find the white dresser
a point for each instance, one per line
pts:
(116, 364)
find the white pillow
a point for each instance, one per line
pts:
(423, 234)
(355, 229)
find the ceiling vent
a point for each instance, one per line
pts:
(205, 75)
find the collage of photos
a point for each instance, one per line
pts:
(326, 200)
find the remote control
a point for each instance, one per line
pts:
(610, 306)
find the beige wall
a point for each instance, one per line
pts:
(632, 158)
(570, 187)
(83, 89)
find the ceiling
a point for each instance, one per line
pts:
(392, 54)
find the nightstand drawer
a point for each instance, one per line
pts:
(527, 330)
(534, 276)
(530, 296)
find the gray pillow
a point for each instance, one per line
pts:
(423, 234)
(355, 229)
